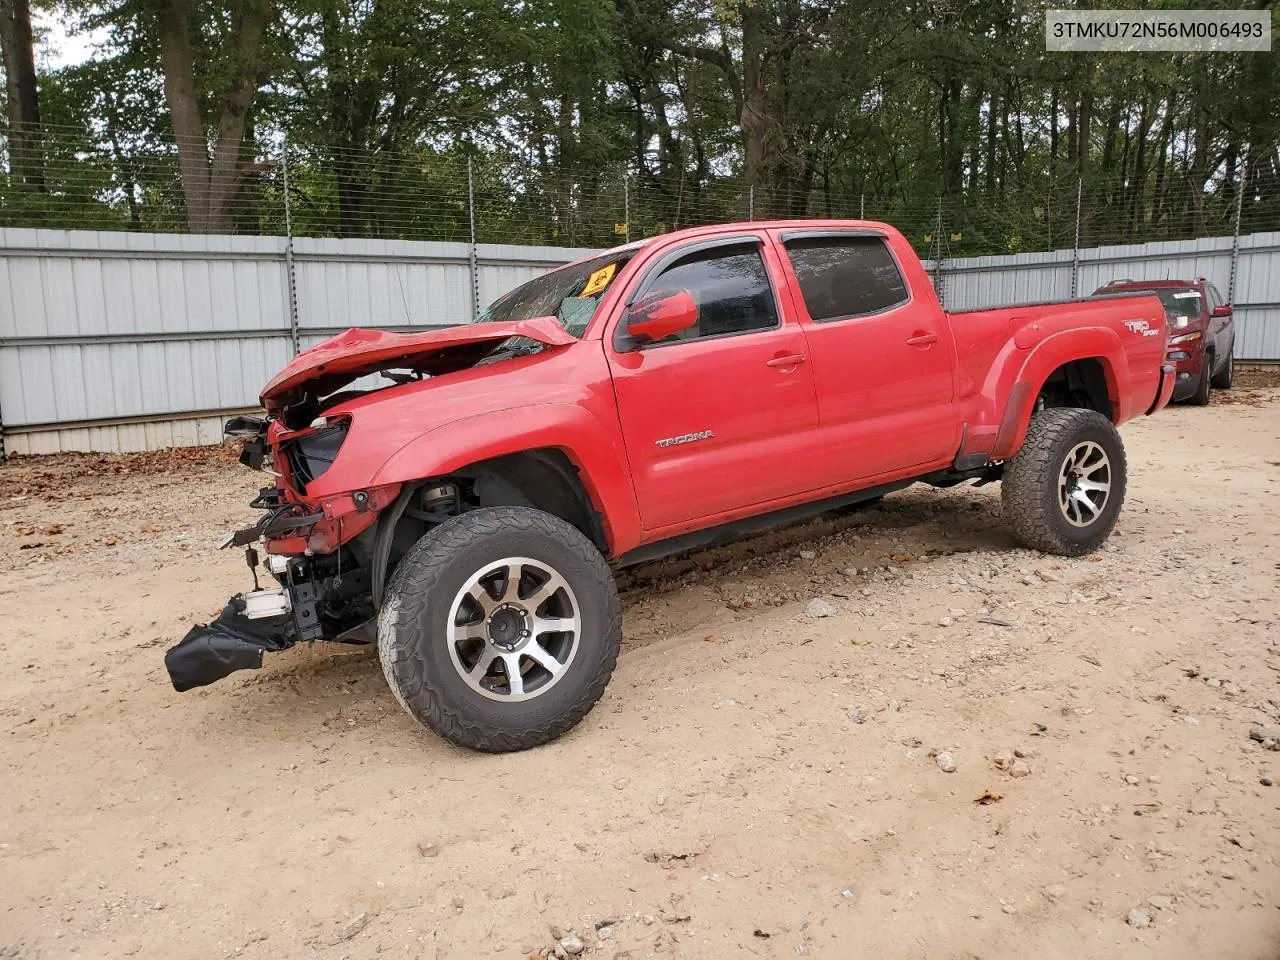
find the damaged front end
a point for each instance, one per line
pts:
(330, 530)
(316, 553)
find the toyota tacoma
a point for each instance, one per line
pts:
(461, 497)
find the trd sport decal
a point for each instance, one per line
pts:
(1143, 327)
(685, 438)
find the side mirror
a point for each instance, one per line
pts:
(1221, 310)
(659, 315)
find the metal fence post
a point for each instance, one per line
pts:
(1075, 247)
(862, 206)
(626, 205)
(290, 273)
(1235, 243)
(473, 259)
(751, 202)
(937, 260)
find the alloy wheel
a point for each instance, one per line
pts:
(514, 629)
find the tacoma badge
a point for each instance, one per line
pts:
(685, 438)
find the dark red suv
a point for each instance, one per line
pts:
(1202, 334)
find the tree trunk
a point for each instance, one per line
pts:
(209, 186)
(754, 111)
(226, 178)
(1162, 149)
(1053, 132)
(1084, 124)
(26, 153)
(992, 135)
(350, 113)
(1137, 199)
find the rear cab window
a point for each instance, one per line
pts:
(844, 276)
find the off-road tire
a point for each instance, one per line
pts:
(412, 628)
(1030, 491)
(1201, 397)
(1222, 379)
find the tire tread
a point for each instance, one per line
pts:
(1034, 468)
(410, 593)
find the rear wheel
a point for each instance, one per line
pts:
(1201, 397)
(1222, 379)
(500, 629)
(1063, 489)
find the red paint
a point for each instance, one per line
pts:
(748, 423)
(661, 315)
(1215, 326)
(357, 351)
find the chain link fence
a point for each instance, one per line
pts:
(111, 180)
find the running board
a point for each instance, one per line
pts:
(737, 529)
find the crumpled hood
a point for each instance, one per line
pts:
(333, 363)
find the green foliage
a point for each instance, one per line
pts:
(581, 115)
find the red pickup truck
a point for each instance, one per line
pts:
(460, 496)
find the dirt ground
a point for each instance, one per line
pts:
(757, 782)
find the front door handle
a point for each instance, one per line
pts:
(792, 361)
(922, 339)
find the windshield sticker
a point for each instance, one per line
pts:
(1188, 295)
(599, 280)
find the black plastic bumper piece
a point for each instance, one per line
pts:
(232, 642)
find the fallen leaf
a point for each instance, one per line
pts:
(989, 798)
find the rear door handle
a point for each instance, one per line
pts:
(792, 361)
(922, 339)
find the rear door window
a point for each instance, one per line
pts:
(846, 276)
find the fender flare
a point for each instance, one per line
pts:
(594, 450)
(1046, 356)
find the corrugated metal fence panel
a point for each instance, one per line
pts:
(974, 282)
(119, 325)
(80, 283)
(53, 384)
(381, 283)
(1171, 259)
(1257, 297)
(99, 331)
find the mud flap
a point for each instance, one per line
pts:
(232, 642)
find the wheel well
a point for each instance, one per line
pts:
(1080, 383)
(545, 479)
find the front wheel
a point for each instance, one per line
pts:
(1063, 489)
(500, 629)
(1201, 397)
(1222, 379)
